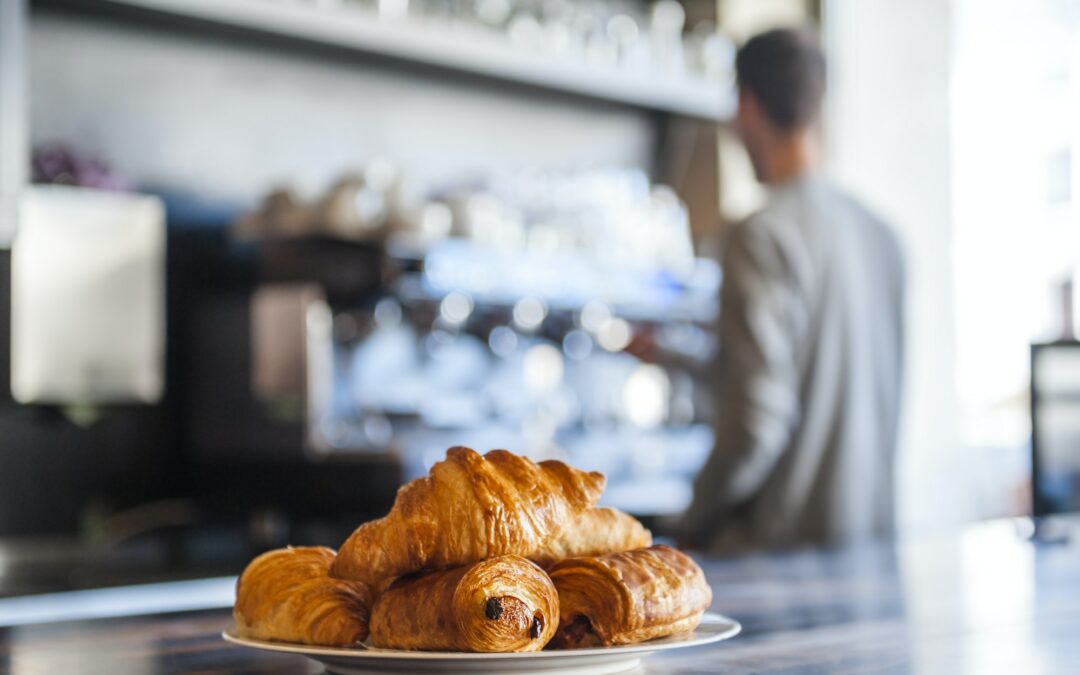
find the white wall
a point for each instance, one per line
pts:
(13, 151)
(222, 117)
(888, 141)
(742, 19)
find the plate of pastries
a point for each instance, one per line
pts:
(489, 563)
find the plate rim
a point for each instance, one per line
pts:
(732, 629)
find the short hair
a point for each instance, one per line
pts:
(785, 70)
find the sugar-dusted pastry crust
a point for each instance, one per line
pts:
(287, 595)
(469, 508)
(505, 604)
(597, 531)
(628, 597)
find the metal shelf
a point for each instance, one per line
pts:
(473, 52)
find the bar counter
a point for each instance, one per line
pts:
(986, 600)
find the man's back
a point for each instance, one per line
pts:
(808, 377)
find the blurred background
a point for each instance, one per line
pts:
(264, 260)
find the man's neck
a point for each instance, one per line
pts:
(791, 157)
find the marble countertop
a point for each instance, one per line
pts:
(984, 600)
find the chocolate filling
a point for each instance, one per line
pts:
(494, 609)
(575, 632)
(537, 628)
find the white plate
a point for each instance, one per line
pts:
(593, 661)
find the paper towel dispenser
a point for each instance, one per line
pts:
(88, 295)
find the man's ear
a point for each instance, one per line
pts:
(749, 107)
(745, 97)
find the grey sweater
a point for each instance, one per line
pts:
(807, 378)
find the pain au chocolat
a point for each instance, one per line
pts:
(628, 597)
(505, 604)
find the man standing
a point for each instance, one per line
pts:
(811, 328)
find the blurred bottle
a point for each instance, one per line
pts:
(668, 19)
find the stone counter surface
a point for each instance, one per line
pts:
(982, 601)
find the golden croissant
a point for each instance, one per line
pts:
(288, 595)
(597, 531)
(505, 604)
(628, 597)
(469, 508)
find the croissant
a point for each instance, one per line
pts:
(628, 597)
(505, 604)
(598, 531)
(469, 508)
(287, 595)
